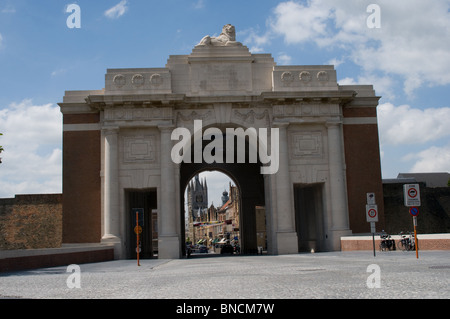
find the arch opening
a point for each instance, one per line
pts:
(249, 189)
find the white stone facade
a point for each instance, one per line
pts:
(224, 86)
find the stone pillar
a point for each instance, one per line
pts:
(168, 237)
(338, 187)
(111, 233)
(286, 237)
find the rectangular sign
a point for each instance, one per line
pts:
(372, 213)
(411, 193)
(140, 212)
(370, 198)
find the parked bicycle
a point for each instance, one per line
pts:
(386, 242)
(407, 241)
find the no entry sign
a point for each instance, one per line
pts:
(371, 213)
(411, 193)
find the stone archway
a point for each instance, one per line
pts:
(250, 183)
(119, 138)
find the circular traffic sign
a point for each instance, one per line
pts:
(138, 229)
(372, 213)
(414, 211)
(412, 192)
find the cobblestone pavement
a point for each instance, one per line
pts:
(321, 275)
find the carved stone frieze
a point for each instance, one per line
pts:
(130, 113)
(251, 117)
(188, 117)
(310, 109)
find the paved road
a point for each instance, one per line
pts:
(321, 275)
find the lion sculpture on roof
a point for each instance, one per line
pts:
(226, 38)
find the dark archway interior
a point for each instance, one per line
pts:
(250, 182)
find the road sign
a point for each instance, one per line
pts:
(140, 213)
(138, 230)
(411, 194)
(371, 213)
(370, 198)
(414, 211)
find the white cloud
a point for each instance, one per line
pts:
(406, 125)
(118, 10)
(1, 40)
(284, 59)
(347, 81)
(32, 138)
(8, 9)
(250, 36)
(412, 42)
(58, 72)
(336, 62)
(433, 159)
(199, 4)
(299, 23)
(383, 85)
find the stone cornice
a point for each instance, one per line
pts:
(100, 102)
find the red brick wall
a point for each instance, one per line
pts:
(31, 221)
(367, 244)
(362, 157)
(81, 182)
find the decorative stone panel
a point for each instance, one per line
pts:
(139, 148)
(306, 144)
(154, 81)
(305, 78)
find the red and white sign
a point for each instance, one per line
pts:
(371, 213)
(411, 193)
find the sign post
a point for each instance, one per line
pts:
(411, 193)
(372, 216)
(138, 229)
(414, 211)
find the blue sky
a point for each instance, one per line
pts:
(407, 60)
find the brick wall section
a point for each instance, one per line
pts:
(367, 243)
(363, 165)
(434, 212)
(56, 259)
(81, 182)
(31, 221)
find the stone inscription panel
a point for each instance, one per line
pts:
(229, 78)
